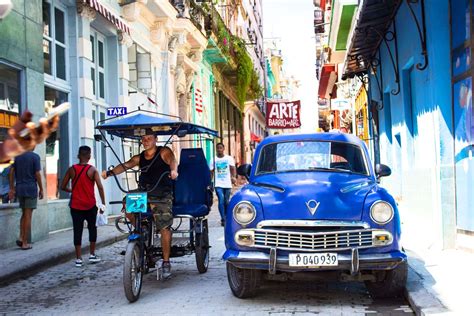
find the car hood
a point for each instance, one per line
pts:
(338, 196)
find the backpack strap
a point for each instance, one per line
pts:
(79, 175)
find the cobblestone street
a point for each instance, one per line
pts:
(98, 289)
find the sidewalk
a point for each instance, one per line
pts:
(439, 281)
(57, 248)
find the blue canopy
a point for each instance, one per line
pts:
(139, 123)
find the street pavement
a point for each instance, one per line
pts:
(97, 289)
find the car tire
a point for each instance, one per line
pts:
(244, 283)
(392, 285)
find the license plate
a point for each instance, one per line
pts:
(325, 259)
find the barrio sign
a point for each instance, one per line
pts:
(283, 114)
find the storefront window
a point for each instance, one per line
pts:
(10, 88)
(463, 112)
(56, 146)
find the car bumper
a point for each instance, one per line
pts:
(353, 262)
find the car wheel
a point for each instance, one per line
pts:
(244, 283)
(393, 284)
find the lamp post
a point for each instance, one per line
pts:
(5, 8)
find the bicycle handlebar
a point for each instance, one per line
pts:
(151, 190)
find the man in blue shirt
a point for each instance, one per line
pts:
(26, 172)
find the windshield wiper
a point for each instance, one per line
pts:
(330, 169)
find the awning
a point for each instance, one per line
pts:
(139, 123)
(96, 5)
(320, 3)
(373, 20)
(327, 81)
(255, 138)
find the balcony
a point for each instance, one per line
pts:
(191, 10)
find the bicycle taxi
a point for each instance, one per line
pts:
(192, 193)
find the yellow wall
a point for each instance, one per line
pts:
(362, 117)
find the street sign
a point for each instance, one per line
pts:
(116, 111)
(283, 114)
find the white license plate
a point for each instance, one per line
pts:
(324, 259)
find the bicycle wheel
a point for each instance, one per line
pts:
(122, 224)
(132, 272)
(202, 248)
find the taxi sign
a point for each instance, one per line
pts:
(116, 111)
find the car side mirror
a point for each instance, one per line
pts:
(244, 170)
(382, 170)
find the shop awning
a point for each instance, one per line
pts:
(96, 5)
(327, 81)
(374, 17)
(255, 138)
(320, 3)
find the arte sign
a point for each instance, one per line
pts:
(283, 114)
(116, 111)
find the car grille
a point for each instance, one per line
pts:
(327, 241)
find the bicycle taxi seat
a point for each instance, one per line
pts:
(192, 189)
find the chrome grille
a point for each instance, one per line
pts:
(321, 241)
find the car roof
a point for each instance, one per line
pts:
(339, 137)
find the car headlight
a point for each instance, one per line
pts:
(381, 212)
(244, 213)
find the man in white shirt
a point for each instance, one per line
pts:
(223, 168)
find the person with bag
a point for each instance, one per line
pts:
(82, 203)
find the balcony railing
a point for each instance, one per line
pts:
(191, 10)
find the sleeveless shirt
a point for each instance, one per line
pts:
(83, 197)
(153, 169)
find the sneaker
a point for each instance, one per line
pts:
(166, 269)
(78, 262)
(94, 259)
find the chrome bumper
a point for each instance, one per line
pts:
(352, 263)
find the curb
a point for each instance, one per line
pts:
(55, 259)
(420, 299)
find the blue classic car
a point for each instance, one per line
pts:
(314, 208)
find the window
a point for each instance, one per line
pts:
(54, 40)
(98, 65)
(10, 97)
(315, 156)
(10, 100)
(99, 150)
(56, 146)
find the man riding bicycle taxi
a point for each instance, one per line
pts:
(153, 161)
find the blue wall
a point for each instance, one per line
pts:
(415, 125)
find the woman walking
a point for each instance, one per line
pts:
(83, 204)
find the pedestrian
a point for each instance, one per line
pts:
(25, 171)
(224, 177)
(83, 203)
(5, 184)
(153, 162)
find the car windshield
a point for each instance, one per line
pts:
(311, 156)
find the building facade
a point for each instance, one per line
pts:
(162, 56)
(414, 57)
